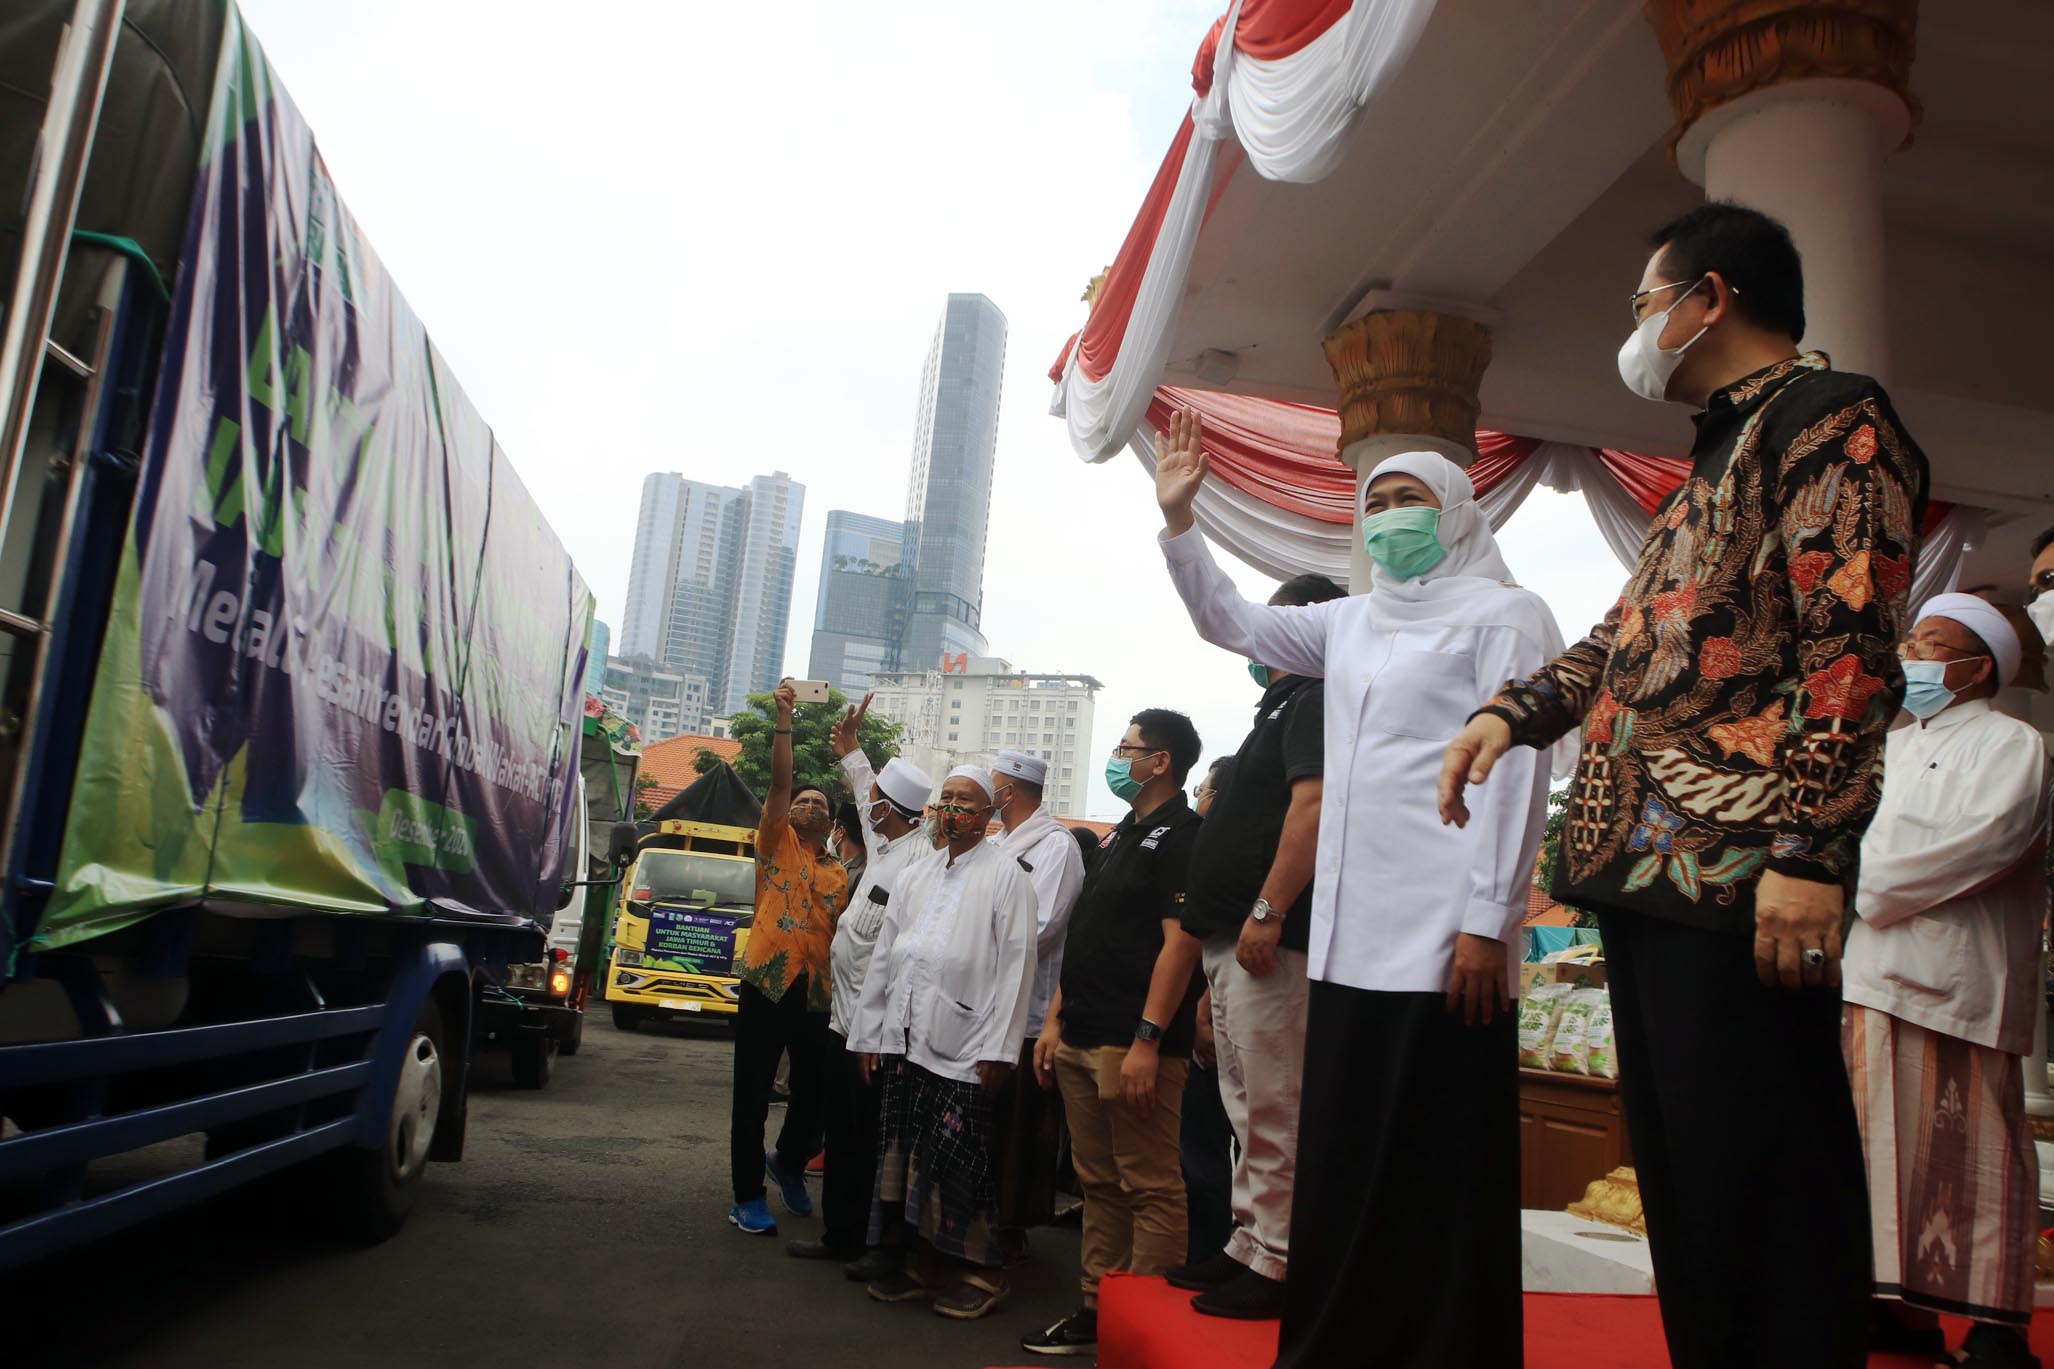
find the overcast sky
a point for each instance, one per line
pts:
(645, 241)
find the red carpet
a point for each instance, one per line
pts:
(1146, 1324)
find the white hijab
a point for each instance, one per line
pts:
(1471, 586)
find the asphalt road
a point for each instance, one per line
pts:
(586, 1226)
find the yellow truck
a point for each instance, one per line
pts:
(681, 920)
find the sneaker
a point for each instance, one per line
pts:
(791, 1188)
(1076, 1334)
(1247, 1297)
(1202, 1276)
(872, 1265)
(753, 1217)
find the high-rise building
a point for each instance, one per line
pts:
(948, 499)
(866, 588)
(710, 582)
(658, 701)
(595, 657)
(975, 707)
(764, 534)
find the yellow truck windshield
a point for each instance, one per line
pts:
(682, 877)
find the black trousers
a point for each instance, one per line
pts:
(764, 1031)
(850, 1112)
(1405, 1218)
(1206, 1140)
(1750, 1161)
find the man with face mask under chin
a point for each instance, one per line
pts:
(1733, 707)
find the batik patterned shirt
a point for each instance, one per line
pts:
(1734, 701)
(798, 895)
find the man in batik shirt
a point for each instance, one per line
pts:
(1733, 706)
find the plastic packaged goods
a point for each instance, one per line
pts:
(1570, 1053)
(1537, 1014)
(1604, 1046)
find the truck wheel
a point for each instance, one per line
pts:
(534, 1060)
(378, 1187)
(575, 1039)
(626, 1018)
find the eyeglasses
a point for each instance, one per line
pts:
(1136, 749)
(1633, 300)
(1930, 651)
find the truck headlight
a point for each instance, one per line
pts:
(560, 984)
(627, 955)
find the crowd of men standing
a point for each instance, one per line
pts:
(1813, 847)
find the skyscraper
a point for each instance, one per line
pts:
(766, 561)
(710, 582)
(948, 499)
(866, 588)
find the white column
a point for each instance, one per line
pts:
(1810, 153)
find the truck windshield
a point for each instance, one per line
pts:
(680, 876)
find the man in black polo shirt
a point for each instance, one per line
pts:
(1251, 897)
(1118, 1037)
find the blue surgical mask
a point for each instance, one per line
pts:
(1259, 673)
(1925, 688)
(1404, 543)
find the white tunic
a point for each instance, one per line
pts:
(949, 980)
(1952, 887)
(855, 931)
(1058, 877)
(1393, 887)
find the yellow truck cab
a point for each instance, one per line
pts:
(681, 920)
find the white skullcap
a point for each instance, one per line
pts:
(904, 783)
(1981, 617)
(1021, 766)
(976, 773)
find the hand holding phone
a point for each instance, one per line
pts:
(810, 691)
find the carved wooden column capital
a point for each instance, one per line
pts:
(1720, 50)
(1409, 371)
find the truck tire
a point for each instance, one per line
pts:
(376, 1188)
(534, 1060)
(575, 1039)
(626, 1017)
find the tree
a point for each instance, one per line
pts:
(643, 808)
(1551, 853)
(814, 763)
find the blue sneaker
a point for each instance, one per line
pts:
(753, 1217)
(791, 1188)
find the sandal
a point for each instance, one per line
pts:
(901, 1286)
(974, 1297)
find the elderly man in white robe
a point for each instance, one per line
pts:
(1027, 1128)
(941, 1016)
(1941, 980)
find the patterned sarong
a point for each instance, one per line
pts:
(1953, 1178)
(934, 1164)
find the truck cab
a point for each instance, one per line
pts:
(681, 922)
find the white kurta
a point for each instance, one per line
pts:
(1952, 888)
(949, 980)
(855, 931)
(1393, 887)
(1058, 877)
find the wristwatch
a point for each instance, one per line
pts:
(1148, 1031)
(1262, 912)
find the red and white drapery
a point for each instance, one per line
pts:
(1278, 82)
(1280, 499)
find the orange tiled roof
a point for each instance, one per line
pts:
(671, 764)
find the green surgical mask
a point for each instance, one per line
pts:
(1119, 777)
(1259, 673)
(1404, 543)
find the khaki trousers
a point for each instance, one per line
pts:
(1258, 1029)
(1127, 1165)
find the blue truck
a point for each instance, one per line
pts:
(291, 665)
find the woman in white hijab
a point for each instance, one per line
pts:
(1409, 1124)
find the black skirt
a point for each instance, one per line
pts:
(934, 1173)
(1405, 1218)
